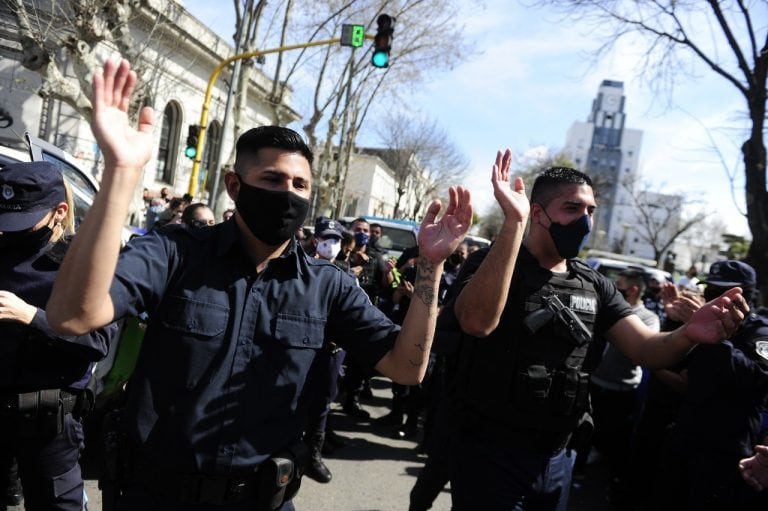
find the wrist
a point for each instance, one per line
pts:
(685, 337)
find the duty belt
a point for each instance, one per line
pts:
(11, 404)
(196, 488)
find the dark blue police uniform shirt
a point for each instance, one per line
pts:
(727, 390)
(34, 357)
(218, 386)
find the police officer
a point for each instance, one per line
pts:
(323, 379)
(720, 418)
(42, 374)
(237, 313)
(366, 262)
(528, 310)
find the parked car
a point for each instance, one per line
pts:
(477, 241)
(396, 235)
(611, 265)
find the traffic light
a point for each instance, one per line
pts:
(382, 42)
(192, 136)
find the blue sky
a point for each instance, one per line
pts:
(530, 80)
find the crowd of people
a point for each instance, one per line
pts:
(253, 330)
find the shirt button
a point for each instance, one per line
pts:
(305, 340)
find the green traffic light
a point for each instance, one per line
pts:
(190, 152)
(380, 59)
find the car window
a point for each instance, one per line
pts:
(396, 239)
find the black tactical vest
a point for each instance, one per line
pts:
(531, 380)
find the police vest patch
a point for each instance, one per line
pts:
(761, 347)
(586, 304)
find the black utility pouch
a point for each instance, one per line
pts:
(533, 386)
(40, 414)
(567, 383)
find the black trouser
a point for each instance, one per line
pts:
(614, 416)
(48, 467)
(436, 472)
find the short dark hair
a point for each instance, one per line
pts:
(189, 212)
(360, 219)
(252, 141)
(548, 184)
(175, 203)
(634, 278)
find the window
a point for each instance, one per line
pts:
(169, 143)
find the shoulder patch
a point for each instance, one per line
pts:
(761, 347)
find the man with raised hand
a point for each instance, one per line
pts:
(237, 313)
(529, 310)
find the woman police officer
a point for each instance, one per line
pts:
(43, 375)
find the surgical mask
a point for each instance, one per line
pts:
(328, 248)
(570, 239)
(272, 216)
(26, 239)
(361, 238)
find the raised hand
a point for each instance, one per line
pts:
(124, 147)
(679, 306)
(438, 240)
(718, 319)
(511, 197)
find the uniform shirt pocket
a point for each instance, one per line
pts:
(294, 331)
(199, 319)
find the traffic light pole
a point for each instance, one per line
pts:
(192, 190)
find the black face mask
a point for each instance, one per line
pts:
(569, 239)
(273, 217)
(26, 239)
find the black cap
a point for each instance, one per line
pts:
(732, 273)
(28, 191)
(327, 227)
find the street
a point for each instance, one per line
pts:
(375, 472)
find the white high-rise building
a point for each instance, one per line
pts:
(608, 152)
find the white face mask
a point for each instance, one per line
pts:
(328, 249)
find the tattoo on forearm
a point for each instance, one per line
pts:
(422, 347)
(424, 287)
(426, 270)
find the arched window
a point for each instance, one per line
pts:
(169, 143)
